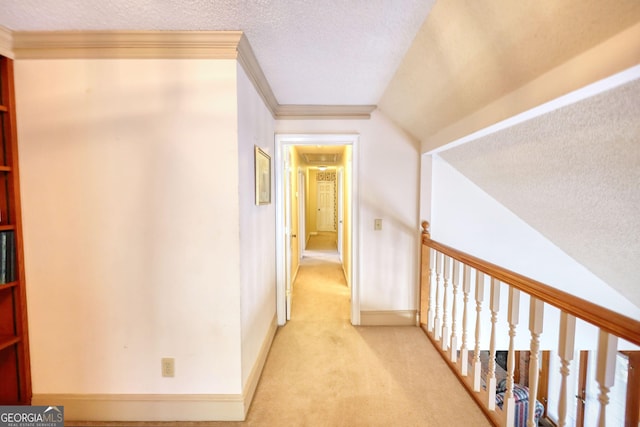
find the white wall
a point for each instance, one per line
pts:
(257, 225)
(465, 217)
(425, 187)
(388, 179)
(130, 185)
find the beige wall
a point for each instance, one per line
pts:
(257, 227)
(131, 223)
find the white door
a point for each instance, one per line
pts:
(326, 206)
(302, 200)
(287, 231)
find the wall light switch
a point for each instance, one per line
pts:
(168, 367)
(377, 224)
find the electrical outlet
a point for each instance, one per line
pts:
(168, 367)
(377, 224)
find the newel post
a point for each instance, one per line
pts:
(426, 268)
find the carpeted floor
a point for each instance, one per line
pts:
(322, 371)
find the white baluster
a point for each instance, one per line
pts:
(437, 320)
(509, 404)
(445, 317)
(494, 305)
(565, 352)
(536, 319)
(606, 371)
(477, 366)
(432, 289)
(464, 351)
(453, 347)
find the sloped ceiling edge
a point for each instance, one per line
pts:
(574, 176)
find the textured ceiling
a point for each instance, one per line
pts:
(329, 52)
(573, 175)
(472, 52)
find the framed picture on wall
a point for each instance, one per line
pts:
(263, 177)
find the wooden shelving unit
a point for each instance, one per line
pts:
(15, 373)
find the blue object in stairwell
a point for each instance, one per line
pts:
(521, 396)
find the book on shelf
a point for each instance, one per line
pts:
(7, 257)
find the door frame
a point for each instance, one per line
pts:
(340, 219)
(288, 232)
(282, 141)
(302, 213)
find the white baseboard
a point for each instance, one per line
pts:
(146, 407)
(162, 407)
(258, 366)
(388, 318)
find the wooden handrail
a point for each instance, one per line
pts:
(615, 323)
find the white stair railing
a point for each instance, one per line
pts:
(442, 265)
(464, 351)
(606, 371)
(445, 312)
(565, 352)
(431, 255)
(513, 317)
(437, 322)
(477, 364)
(494, 304)
(536, 321)
(453, 345)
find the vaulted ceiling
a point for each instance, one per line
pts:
(469, 53)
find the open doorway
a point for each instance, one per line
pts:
(293, 226)
(322, 199)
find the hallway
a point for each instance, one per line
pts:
(322, 371)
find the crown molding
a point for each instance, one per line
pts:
(324, 112)
(126, 44)
(248, 61)
(6, 42)
(168, 45)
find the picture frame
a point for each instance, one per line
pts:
(263, 177)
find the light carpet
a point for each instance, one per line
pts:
(322, 371)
